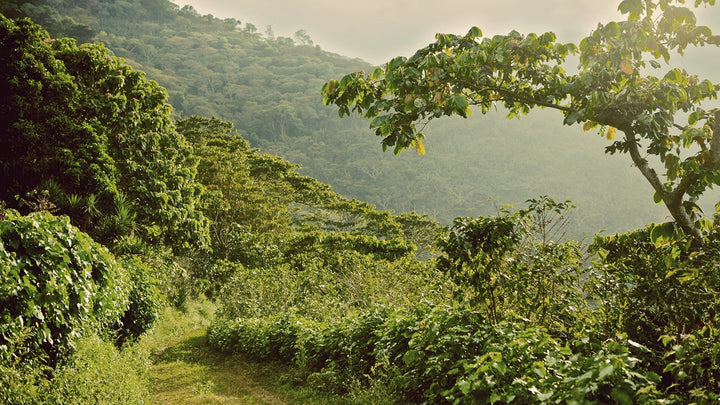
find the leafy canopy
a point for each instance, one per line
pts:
(616, 88)
(98, 136)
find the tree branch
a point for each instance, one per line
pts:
(642, 164)
(673, 199)
(508, 95)
(710, 164)
(715, 142)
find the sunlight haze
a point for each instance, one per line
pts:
(377, 31)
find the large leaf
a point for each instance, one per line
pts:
(662, 234)
(632, 7)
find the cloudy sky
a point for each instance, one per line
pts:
(378, 30)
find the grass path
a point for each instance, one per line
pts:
(188, 372)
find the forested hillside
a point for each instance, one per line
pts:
(269, 87)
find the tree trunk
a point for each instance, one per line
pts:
(673, 199)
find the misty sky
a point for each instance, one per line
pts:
(378, 30)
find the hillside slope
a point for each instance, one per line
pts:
(269, 88)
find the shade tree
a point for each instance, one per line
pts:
(662, 116)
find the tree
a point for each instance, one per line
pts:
(302, 37)
(267, 194)
(41, 135)
(516, 263)
(613, 90)
(83, 124)
(241, 191)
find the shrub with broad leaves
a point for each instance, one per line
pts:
(56, 285)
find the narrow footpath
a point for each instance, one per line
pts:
(188, 372)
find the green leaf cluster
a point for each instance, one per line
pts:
(265, 213)
(443, 354)
(58, 285)
(652, 283)
(508, 265)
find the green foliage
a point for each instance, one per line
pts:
(145, 301)
(259, 338)
(326, 244)
(244, 187)
(41, 132)
(648, 290)
(440, 354)
(509, 264)
(325, 289)
(693, 361)
(328, 284)
(268, 87)
(22, 382)
(663, 293)
(474, 250)
(248, 199)
(264, 212)
(612, 89)
(547, 346)
(58, 285)
(339, 356)
(455, 355)
(48, 17)
(484, 239)
(546, 220)
(97, 372)
(98, 134)
(155, 164)
(172, 276)
(102, 374)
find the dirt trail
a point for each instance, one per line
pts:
(188, 372)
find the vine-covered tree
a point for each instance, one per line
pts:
(661, 117)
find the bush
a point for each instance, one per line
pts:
(649, 289)
(96, 373)
(692, 366)
(456, 355)
(57, 284)
(103, 133)
(22, 382)
(510, 265)
(322, 293)
(145, 301)
(442, 354)
(272, 338)
(337, 356)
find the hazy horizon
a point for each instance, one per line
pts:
(376, 31)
